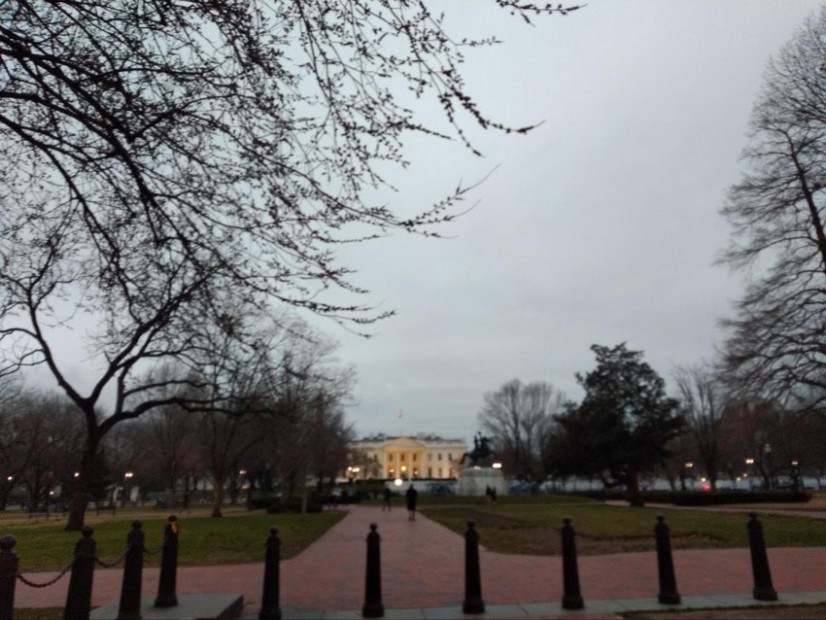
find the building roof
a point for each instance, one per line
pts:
(426, 437)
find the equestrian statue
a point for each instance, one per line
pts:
(481, 451)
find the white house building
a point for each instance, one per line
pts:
(421, 456)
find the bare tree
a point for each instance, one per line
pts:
(519, 417)
(172, 158)
(44, 434)
(11, 452)
(165, 436)
(702, 403)
(776, 349)
(330, 438)
(759, 439)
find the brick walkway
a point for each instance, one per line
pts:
(423, 563)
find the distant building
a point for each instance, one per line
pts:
(422, 456)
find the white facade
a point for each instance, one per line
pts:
(422, 456)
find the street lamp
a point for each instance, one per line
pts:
(688, 467)
(750, 472)
(767, 452)
(126, 478)
(796, 474)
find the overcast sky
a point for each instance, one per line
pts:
(601, 226)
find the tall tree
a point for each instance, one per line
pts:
(518, 417)
(166, 436)
(702, 402)
(174, 158)
(622, 427)
(776, 349)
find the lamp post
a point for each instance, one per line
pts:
(796, 475)
(767, 453)
(126, 478)
(688, 467)
(750, 472)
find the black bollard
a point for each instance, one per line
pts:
(665, 564)
(270, 609)
(167, 579)
(79, 596)
(373, 607)
(130, 592)
(8, 576)
(763, 588)
(473, 603)
(572, 597)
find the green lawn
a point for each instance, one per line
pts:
(232, 539)
(534, 528)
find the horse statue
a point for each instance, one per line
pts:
(481, 451)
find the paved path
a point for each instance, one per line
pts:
(423, 563)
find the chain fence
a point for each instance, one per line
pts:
(48, 583)
(100, 562)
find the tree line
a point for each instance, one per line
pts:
(759, 408)
(627, 429)
(285, 422)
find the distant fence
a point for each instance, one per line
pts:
(81, 570)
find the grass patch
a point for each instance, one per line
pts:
(203, 540)
(38, 613)
(533, 529)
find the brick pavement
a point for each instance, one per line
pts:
(423, 563)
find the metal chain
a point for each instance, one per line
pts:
(32, 584)
(111, 564)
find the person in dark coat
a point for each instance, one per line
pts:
(388, 499)
(411, 495)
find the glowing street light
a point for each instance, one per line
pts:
(126, 478)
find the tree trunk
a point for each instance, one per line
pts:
(217, 498)
(77, 510)
(634, 494)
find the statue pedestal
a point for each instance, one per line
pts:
(475, 480)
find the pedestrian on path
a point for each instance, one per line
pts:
(388, 499)
(412, 494)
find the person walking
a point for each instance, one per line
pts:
(412, 494)
(388, 499)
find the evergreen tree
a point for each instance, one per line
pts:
(620, 429)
